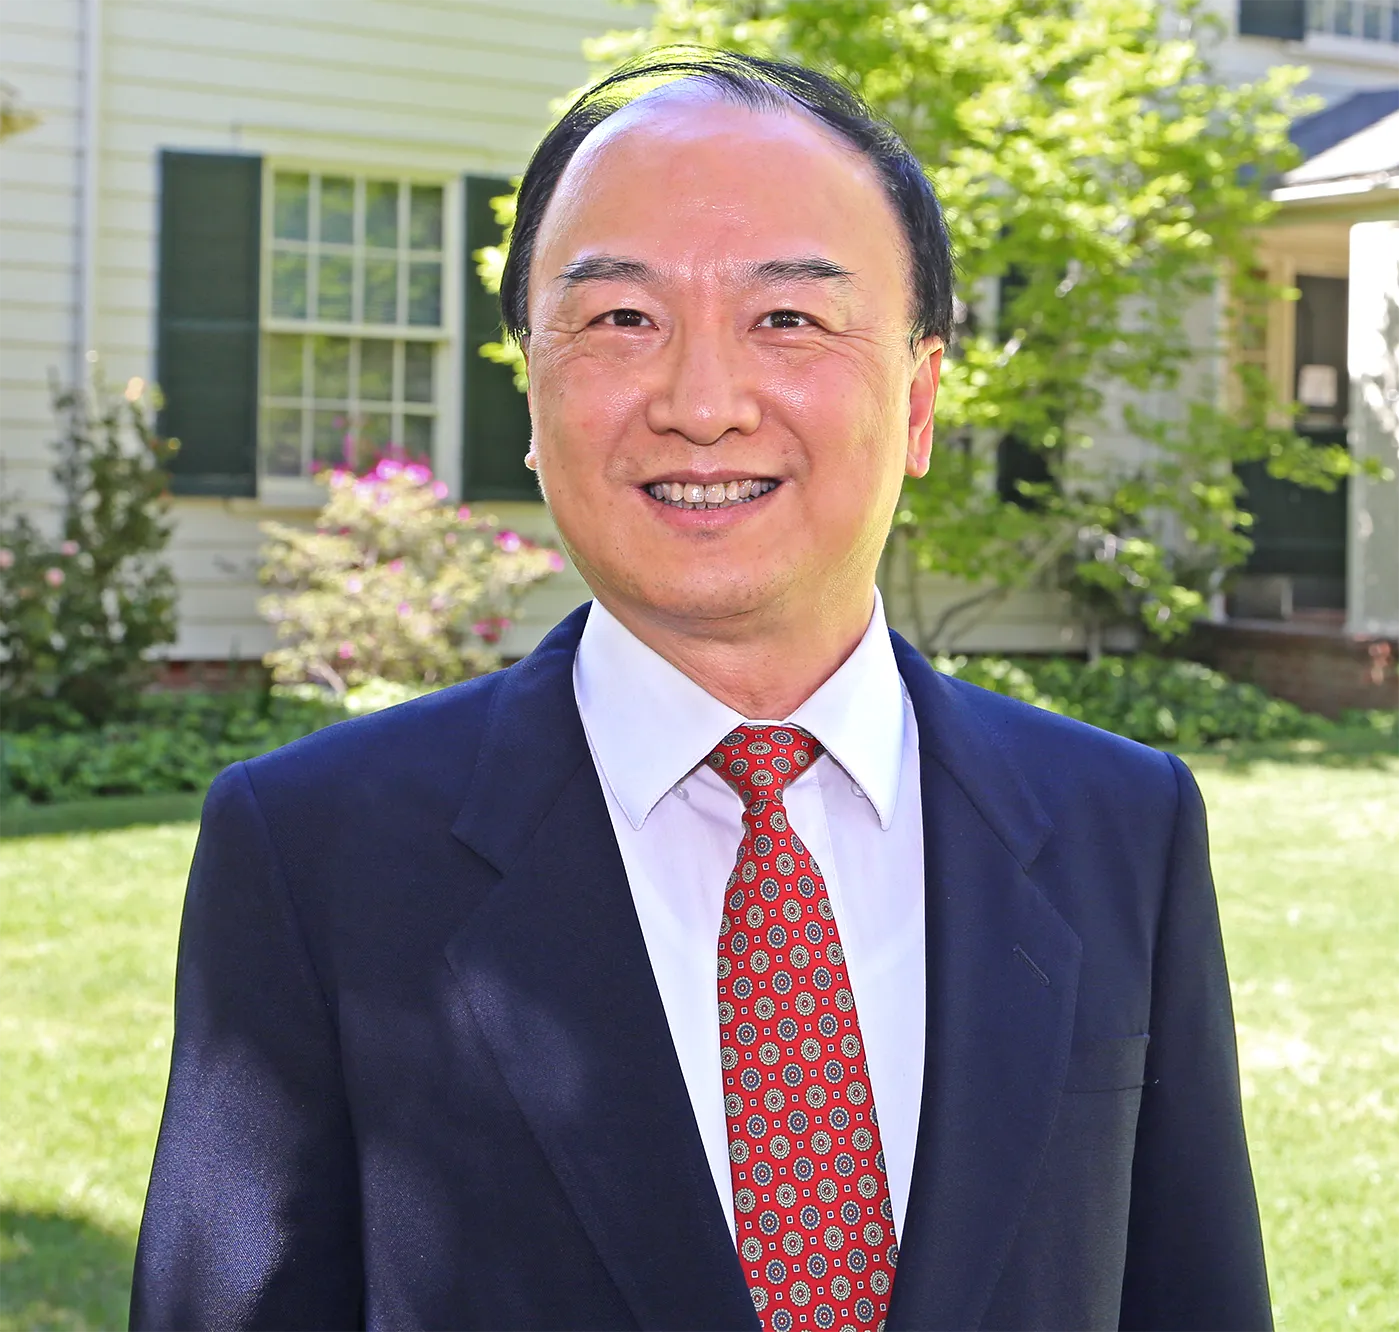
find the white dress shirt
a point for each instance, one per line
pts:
(859, 810)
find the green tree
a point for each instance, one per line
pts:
(1099, 181)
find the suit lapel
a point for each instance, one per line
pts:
(555, 968)
(1002, 969)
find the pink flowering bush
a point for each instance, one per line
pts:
(393, 583)
(82, 606)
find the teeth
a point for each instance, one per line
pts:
(717, 496)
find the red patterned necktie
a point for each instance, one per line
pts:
(811, 1198)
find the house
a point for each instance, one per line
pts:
(270, 209)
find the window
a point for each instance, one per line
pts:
(353, 322)
(1369, 20)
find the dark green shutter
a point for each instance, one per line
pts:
(495, 416)
(1283, 19)
(207, 323)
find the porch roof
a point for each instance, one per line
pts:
(1352, 147)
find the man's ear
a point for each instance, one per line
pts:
(922, 394)
(531, 457)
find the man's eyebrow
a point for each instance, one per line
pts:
(605, 268)
(807, 268)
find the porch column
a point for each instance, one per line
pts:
(1372, 598)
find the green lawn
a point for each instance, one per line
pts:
(1306, 846)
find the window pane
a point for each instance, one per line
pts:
(281, 441)
(288, 284)
(284, 365)
(425, 294)
(417, 371)
(380, 291)
(425, 218)
(291, 206)
(335, 287)
(332, 374)
(375, 434)
(332, 442)
(1340, 24)
(1372, 22)
(381, 214)
(337, 210)
(376, 370)
(417, 436)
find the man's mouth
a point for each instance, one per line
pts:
(718, 495)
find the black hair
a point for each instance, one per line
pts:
(761, 84)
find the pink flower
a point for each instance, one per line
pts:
(556, 561)
(418, 474)
(439, 488)
(395, 566)
(54, 577)
(490, 630)
(347, 650)
(7, 559)
(387, 469)
(464, 513)
(450, 539)
(404, 610)
(68, 548)
(509, 542)
(354, 586)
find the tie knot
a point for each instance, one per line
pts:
(759, 761)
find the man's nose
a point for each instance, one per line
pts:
(705, 388)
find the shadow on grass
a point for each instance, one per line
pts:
(101, 814)
(62, 1272)
(1361, 747)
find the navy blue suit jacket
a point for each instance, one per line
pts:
(422, 1076)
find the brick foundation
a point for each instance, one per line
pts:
(1313, 662)
(214, 677)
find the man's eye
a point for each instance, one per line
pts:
(624, 318)
(784, 319)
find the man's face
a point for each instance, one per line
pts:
(720, 311)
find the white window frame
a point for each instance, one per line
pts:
(1324, 16)
(302, 492)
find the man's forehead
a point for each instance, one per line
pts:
(697, 112)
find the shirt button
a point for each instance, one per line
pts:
(857, 790)
(679, 791)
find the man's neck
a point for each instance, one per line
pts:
(762, 668)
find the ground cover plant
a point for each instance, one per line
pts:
(175, 743)
(1305, 836)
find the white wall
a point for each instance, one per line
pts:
(40, 174)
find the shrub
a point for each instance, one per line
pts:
(393, 584)
(170, 743)
(1157, 700)
(80, 611)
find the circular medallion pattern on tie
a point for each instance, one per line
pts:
(811, 1197)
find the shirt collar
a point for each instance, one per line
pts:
(650, 725)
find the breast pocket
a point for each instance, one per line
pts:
(1099, 1064)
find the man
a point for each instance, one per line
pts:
(720, 965)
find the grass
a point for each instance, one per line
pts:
(1306, 838)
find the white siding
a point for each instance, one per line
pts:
(40, 172)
